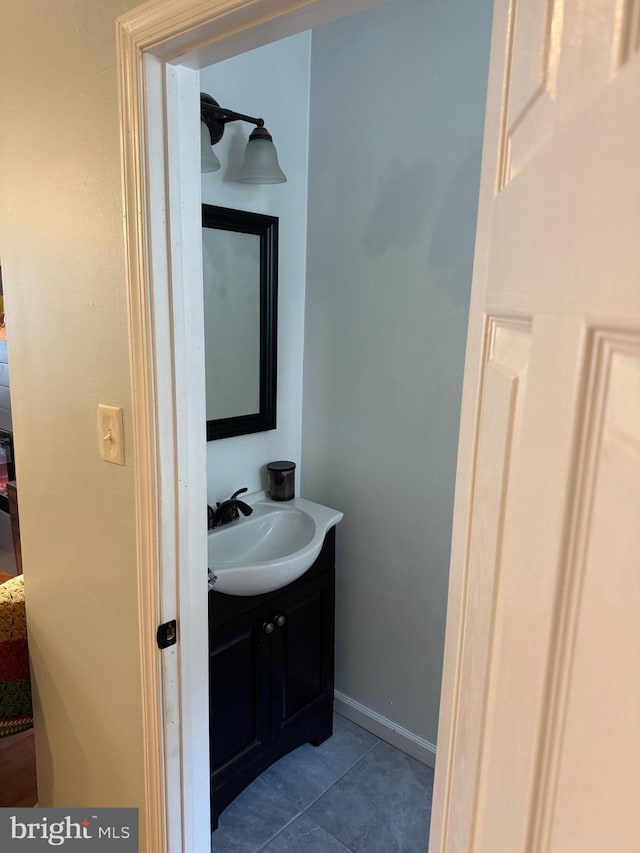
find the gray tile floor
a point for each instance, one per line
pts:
(354, 793)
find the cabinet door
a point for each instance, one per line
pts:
(303, 653)
(239, 694)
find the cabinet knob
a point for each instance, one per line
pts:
(268, 627)
(280, 620)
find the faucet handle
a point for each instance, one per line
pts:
(239, 492)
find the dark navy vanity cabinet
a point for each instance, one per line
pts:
(271, 676)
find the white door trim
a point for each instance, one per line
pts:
(160, 46)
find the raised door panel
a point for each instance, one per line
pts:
(604, 38)
(511, 692)
(534, 33)
(629, 31)
(546, 86)
(501, 406)
(239, 704)
(592, 746)
(303, 652)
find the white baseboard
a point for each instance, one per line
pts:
(385, 729)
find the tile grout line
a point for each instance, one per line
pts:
(313, 802)
(346, 773)
(276, 834)
(340, 778)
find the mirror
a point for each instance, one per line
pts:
(240, 279)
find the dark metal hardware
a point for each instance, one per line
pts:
(229, 510)
(215, 117)
(167, 634)
(280, 620)
(268, 627)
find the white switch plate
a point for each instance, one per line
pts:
(110, 433)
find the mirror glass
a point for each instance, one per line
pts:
(239, 252)
(232, 320)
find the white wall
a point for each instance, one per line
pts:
(271, 82)
(397, 107)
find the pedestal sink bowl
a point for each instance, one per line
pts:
(270, 548)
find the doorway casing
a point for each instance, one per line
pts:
(161, 46)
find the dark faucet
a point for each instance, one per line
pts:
(228, 511)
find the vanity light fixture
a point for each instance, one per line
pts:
(260, 164)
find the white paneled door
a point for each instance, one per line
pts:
(539, 742)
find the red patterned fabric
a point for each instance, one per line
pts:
(14, 660)
(15, 683)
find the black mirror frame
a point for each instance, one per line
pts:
(266, 227)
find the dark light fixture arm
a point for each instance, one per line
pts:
(215, 117)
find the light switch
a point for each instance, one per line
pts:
(110, 433)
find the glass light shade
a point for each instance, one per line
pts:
(208, 160)
(261, 160)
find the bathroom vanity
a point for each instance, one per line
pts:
(271, 674)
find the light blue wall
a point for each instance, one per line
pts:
(397, 111)
(272, 82)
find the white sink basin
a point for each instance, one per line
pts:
(271, 547)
